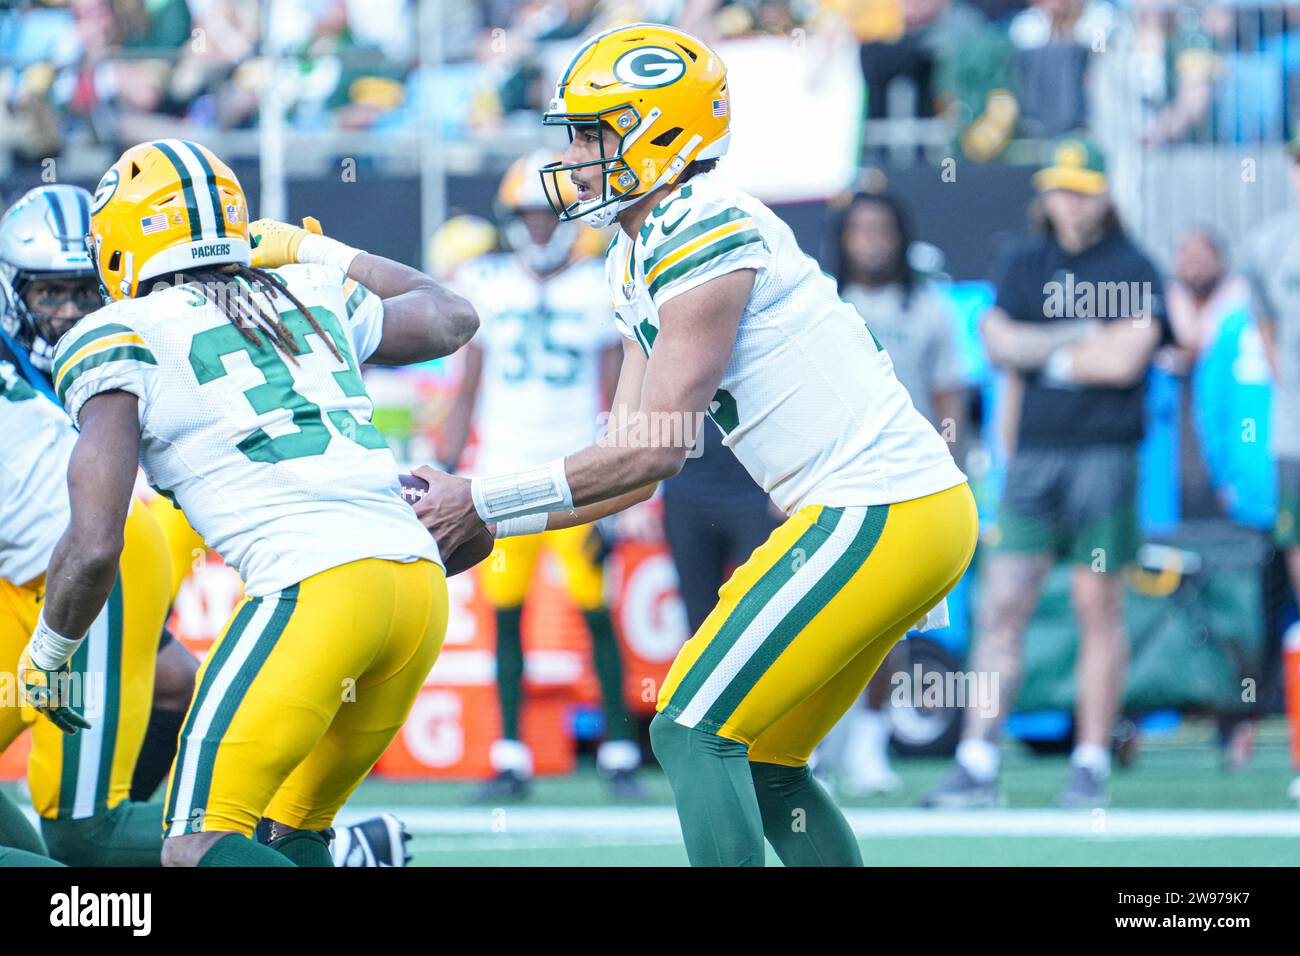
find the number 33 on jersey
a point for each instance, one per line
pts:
(220, 411)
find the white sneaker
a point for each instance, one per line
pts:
(866, 755)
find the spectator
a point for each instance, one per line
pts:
(1054, 40)
(932, 32)
(915, 324)
(1272, 269)
(1078, 314)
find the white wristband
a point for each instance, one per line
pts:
(524, 524)
(50, 650)
(324, 251)
(533, 491)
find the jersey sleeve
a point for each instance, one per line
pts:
(101, 354)
(705, 240)
(363, 313)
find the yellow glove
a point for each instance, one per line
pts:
(276, 243)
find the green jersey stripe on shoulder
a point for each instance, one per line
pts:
(703, 256)
(355, 299)
(67, 351)
(121, 353)
(679, 239)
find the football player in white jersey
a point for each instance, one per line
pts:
(81, 782)
(537, 376)
(722, 312)
(238, 391)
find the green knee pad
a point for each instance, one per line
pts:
(128, 835)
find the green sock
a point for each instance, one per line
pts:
(800, 820)
(235, 849)
(609, 671)
(714, 793)
(304, 848)
(510, 668)
(9, 857)
(15, 831)
(128, 835)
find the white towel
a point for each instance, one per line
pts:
(936, 618)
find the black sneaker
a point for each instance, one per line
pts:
(507, 786)
(961, 791)
(1084, 790)
(627, 785)
(379, 841)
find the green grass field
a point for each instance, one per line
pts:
(1176, 807)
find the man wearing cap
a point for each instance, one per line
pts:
(1272, 269)
(1078, 314)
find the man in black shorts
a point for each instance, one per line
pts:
(1079, 313)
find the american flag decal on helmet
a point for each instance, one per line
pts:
(154, 223)
(719, 107)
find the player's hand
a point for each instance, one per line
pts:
(41, 690)
(447, 509)
(276, 243)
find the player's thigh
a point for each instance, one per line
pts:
(371, 717)
(19, 609)
(73, 777)
(850, 576)
(506, 574)
(584, 577)
(268, 690)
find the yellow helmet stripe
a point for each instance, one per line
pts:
(713, 235)
(99, 345)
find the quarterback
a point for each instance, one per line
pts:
(237, 389)
(721, 312)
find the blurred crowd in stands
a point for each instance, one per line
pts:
(110, 71)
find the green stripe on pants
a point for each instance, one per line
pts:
(235, 694)
(218, 659)
(799, 617)
(748, 608)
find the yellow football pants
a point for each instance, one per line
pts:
(185, 547)
(509, 569)
(302, 693)
(73, 777)
(801, 626)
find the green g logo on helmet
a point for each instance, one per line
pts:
(649, 67)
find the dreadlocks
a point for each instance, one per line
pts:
(247, 315)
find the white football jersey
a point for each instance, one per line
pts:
(542, 339)
(36, 440)
(809, 401)
(273, 458)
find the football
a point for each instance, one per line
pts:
(468, 554)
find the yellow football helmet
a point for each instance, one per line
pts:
(165, 206)
(546, 245)
(662, 91)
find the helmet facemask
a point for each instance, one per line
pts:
(618, 183)
(36, 328)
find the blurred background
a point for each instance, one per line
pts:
(393, 122)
